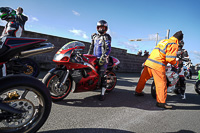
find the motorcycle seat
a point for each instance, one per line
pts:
(110, 61)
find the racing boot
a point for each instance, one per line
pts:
(139, 94)
(102, 96)
(183, 96)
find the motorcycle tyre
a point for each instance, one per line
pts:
(197, 87)
(153, 90)
(113, 86)
(22, 80)
(33, 64)
(47, 79)
(177, 91)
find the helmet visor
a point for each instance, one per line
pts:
(103, 28)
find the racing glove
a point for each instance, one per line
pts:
(102, 60)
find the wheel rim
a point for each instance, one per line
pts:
(29, 71)
(23, 104)
(30, 100)
(56, 91)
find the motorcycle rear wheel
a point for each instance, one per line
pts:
(153, 89)
(52, 81)
(34, 98)
(33, 68)
(111, 81)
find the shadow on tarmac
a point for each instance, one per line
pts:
(182, 131)
(192, 101)
(87, 130)
(100, 130)
(125, 98)
(117, 98)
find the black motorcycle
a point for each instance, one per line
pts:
(25, 102)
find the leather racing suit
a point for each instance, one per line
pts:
(101, 48)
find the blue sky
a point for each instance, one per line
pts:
(127, 19)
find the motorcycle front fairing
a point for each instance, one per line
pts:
(65, 53)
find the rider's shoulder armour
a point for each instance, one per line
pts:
(93, 36)
(107, 37)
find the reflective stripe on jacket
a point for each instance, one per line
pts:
(165, 52)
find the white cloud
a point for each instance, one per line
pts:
(153, 37)
(32, 19)
(129, 46)
(79, 33)
(76, 13)
(197, 54)
(35, 19)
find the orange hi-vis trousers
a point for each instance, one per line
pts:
(160, 83)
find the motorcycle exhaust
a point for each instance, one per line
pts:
(43, 48)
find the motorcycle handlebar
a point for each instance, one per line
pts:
(84, 57)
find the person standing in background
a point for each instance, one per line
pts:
(20, 18)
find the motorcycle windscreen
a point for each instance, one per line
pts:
(73, 45)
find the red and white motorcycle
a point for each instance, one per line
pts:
(76, 72)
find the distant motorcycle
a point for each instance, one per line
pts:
(25, 102)
(197, 84)
(77, 72)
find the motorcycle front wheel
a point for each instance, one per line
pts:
(28, 94)
(197, 87)
(53, 81)
(153, 90)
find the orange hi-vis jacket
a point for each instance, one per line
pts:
(165, 52)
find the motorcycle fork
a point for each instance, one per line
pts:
(64, 79)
